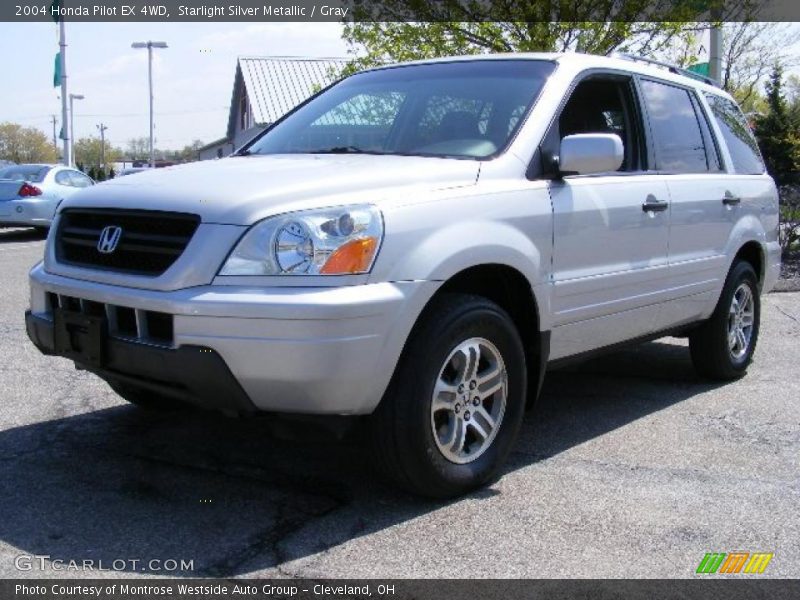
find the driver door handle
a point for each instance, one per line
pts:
(730, 199)
(652, 204)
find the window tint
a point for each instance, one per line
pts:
(736, 132)
(603, 106)
(677, 138)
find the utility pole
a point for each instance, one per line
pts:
(54, 121)
(150, 45)
(62, 57)
(715, 45)
(71, 134)
(102, 129)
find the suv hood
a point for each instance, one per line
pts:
(243, 190)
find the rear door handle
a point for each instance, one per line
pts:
(730, 199)
(651, 204)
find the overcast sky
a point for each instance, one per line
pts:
(193, 78)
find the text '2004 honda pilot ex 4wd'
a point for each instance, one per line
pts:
(416, 244)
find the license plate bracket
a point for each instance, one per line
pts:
(80, 337)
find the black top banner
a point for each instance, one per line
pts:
(520, 11)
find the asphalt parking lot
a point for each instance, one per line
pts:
(631, 467)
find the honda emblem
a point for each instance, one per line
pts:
(109, 239)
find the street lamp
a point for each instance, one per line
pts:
(72, 98)
(150, 45)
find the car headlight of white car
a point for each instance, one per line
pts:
(331, 241)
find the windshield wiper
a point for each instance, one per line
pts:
(339, 150)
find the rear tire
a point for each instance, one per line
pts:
(722, 348)
(147, 400)
(455, 403)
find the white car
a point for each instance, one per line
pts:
(30, 194)
(416, 245)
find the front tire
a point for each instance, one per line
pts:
(456, 401)
(722, 348)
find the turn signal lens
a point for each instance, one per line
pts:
(353, 257)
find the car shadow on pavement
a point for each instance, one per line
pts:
(121, 485)
(21, 235)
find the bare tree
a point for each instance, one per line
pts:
(750, 50)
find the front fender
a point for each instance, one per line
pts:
(445, 252)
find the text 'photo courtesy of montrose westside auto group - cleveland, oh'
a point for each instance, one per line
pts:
(456, 299)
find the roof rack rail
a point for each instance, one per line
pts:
(670, 67)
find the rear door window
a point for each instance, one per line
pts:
(63, 178)
(677, 138)
(80, 180)
(737, 135)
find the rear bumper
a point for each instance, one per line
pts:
(773, 266)
(294, 350)
(27, 212)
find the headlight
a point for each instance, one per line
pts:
(333, 241)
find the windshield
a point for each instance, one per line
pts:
(32, 173)
(458, 109)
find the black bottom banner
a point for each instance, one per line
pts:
(307, 589)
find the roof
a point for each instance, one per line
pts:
(579, 61)
(276, 84)
(218, 142)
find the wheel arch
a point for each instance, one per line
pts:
(753, 252)
(510, 289)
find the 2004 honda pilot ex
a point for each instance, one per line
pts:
(417, 243)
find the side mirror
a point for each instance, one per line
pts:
(586, 153)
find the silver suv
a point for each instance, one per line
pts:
(417, 244)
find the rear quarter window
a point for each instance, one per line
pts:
(737, 135)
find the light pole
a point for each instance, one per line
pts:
(72, 98)
(150, 45)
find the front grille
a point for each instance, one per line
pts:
(148, 245)
(129, 324)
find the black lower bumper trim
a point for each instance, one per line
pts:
(195, 374)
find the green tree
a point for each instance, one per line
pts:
(777, 133)
(89, 151)
(793, 97)
(416, 29)
(25, 145)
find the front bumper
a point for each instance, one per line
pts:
(296, 350)
(190, 373)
